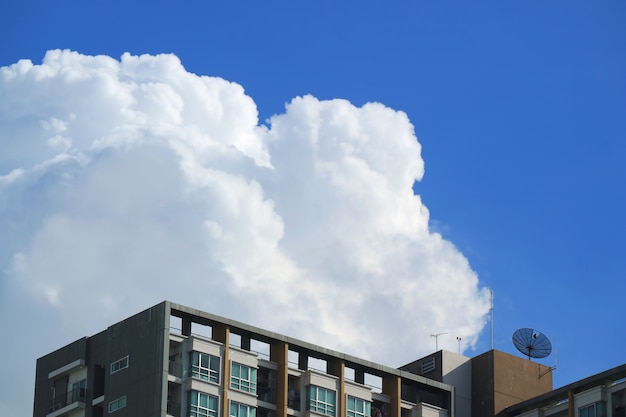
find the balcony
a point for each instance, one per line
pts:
(173, 409)
(175, 371)
(63, 403)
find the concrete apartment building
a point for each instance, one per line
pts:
(175, 361)
(155, 363)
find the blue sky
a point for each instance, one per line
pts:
(519, 108)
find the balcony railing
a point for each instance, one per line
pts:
(173, 409)
(61, 400)
(175, 369)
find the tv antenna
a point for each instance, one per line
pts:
(436, 336)
(532, 343)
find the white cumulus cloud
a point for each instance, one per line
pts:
(124, 183)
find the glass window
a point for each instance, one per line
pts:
(202, 405)
(205, 366)
(119, 364)
(241, 410)
(293, 393)
(79, 390)
(117, 404)
(243, 378)
(593, 410)
(321, 400)
(358, 407)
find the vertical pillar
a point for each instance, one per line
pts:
(221, 333)
(279, 353)
(186, 323)
(359, 376)
(570, 404)
(391, 387)
(337, 368)
(303, 360)
(451, 402)
(245, 342)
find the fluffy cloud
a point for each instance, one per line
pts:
(123, 183)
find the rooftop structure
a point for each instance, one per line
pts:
(485, 384)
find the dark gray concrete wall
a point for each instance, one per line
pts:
(51, 362)
(142, 338)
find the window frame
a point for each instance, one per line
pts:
(118, 403)
(202, 411)
(366, 407)
(250, 410)
(203, 373)
(79, 390)
(599, 409)
(323, 406)
(119, 364)
(244, 384)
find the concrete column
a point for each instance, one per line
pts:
(245, 342)
(359, 376)
(392, 388)
(221, 333)
(337, 368)
(279, 354)
(571, 409)
(303, 361)
(186, 323)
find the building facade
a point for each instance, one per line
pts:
(600, 395)
(172, 360)
(500, 380)
(485, 384)
(449, 368)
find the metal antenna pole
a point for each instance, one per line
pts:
(436, 336)
(491, 330)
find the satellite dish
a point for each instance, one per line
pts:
(532, 343)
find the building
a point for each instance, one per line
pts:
(600, 395)
(175, 361)
(171, 360)
(449, 368)
(500, 380)
(485, 384)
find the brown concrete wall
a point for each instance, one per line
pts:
(500, 380)
(279, 353)
(392, 388)
(517, 379)
(482, 385)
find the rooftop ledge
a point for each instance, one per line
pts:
(67, 368)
